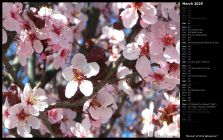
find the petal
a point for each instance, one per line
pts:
(86, 123)
(41, 106)
(93, 69)
(37, 45)
(71, 88)
(143, 66)
(63, 127)
(11, 25)
(27, 90)
(105, 99)
(178, 47)
(23, 129)
(4, 36)
(174, 15)
(156, 48)
(105, 114)
(40, 93)
(79, 61)
(70, 114)
(123, 71)
(148, 19)
(22, 59)
(86, 87)
(33, 110)
(129, 17)
(86, 104)
(131, 51)
(94, 112)
(34, 122)
(125, 87)
(68, 73)
(10, 122)
(172, 55)
(57, 62)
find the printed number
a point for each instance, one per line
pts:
(198, 3)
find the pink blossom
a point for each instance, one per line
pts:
(155, 75)
(11, 16)
(60, 59)
(143, 45)
(67, 121)
(77, 73)
(100, 108)
(166, 35)
(34, 99)
(130, 16)
(21, 118)
(122, 84)
(55, 115)
(5, 111)
(80, 131)
(148, 120)
(114, 36)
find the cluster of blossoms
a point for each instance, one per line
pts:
(103, 54)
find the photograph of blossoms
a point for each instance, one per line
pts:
(92, 69)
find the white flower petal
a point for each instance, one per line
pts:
(79, 61)
(68, 73)
(131, 51)
(27, 90)
(105, 99)
(94, 113)
(143, 66)
(33, 110)
(34, 122)
(41, 106)
(86, 87)
(71, 88)
(93, 69)
(37, 45)
(129, 17)
(105, 114)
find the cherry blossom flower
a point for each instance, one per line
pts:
(77, 73)
(21, 118)
(155, 75)
(168, 131)
(80, 131)
(5, 111)
(164, 35)
(100, 107)
(55, 115)
(11, 16)
(149, 120)
(130, 14)
(122, 84)
(35, 99)
(60, 59)
(168, 10)
(144, 45)
(114, 36)
(67, 121)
